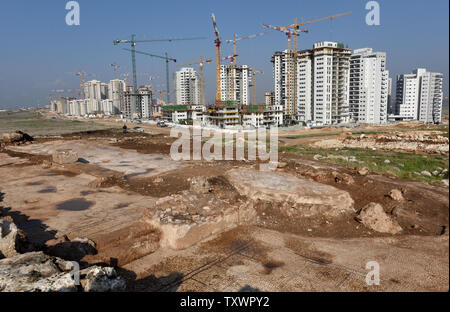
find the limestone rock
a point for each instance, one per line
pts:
(426, 173)
(374, 217)
(396, 195)
(38, 272)
(8, 239)
(310, 198)
(341, 177)
(100, 279)
(363, 171)
(64, 157)
(35, 272)
(12, 137)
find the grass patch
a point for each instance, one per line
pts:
(34, 124)
(312, 135)
(402, 165)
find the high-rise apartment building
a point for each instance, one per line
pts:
(116, 89)
(419, 96)
(186, 82)
(369, 87)
(322, 88)
(242, 80)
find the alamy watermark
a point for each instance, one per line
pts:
(373, 17)
(373, 277)
(73, 16)
(261, 144)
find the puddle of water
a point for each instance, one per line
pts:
(48, 190)
(34, 183)
(131, 175)
(85, 193)
(158, 158)
(75, 205)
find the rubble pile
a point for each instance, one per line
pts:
(397, 141)
(35, 271)
(16, 138)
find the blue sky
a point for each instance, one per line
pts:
(39, 50)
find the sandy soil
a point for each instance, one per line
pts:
(275, 253)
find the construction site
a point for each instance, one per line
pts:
(110, 199)
(90, 184)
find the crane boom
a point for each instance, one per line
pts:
(233, 63)
(167, 59)
(316, 21)
(217, 42)
(132, 43)
(293, 30)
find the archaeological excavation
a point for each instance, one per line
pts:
(134, 219)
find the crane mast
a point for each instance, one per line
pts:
(217, 42)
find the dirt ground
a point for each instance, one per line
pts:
(276, 252)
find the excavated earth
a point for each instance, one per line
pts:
(222, 225)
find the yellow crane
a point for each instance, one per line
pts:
(233, 63)
(254, 72)
(201, 64)
(217, 42)
(294, 30)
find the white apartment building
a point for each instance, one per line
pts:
(116, 89)
(419, 96)
(242, 80)
(95, 90)
(323, 77)
(283, 75)
(186, 82)
(145, 100)
(369, 87)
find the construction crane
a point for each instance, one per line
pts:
(233, 64)
(290, 34)
(114, 66)
(82, 75)
(150, 80)
(201, 64)
(133, 43)
(217, 42)
(293, 30)
(254, 72)
(167, 59)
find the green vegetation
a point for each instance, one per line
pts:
(402, 165)
(313, 135)
(36, 124)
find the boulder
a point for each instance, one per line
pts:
(308, 197)
(396, 195)
(73, 250)
(341, 177)
(426, 173)
(64, 157)
(363, 171)
(374, 217)
(101, 279)
(12, 137)
(8, 239)
(38, 272)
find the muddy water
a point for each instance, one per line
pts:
(75, 205)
